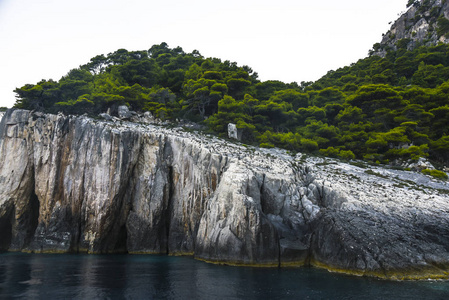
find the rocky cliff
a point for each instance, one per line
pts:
(75, 184)
(426, 22)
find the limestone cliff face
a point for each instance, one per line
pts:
(419, 25)
(74, 184)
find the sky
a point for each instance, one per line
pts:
(286, 40)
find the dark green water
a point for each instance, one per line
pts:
(60, 276)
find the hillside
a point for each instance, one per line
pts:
(390, 109)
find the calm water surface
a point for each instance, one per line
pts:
(60, 276)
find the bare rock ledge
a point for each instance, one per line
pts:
(75, 184)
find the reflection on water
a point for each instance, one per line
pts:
(56, 276)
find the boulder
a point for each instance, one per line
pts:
(124, 113)
(234, 132)
(105, 116)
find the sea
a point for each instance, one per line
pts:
(83, 276)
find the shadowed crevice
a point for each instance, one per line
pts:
(169, 207)
(121, 244)
(33, 219)
(6, 230)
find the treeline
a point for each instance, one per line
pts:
(378, 109)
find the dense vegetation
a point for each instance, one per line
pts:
(378, 109)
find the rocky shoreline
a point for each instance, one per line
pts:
(76, 184)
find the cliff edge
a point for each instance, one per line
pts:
(76, 184)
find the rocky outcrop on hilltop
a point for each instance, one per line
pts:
(75, 184)
(426, 22)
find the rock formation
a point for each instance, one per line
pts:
(419, 25)
(75, 184)
(234, 132)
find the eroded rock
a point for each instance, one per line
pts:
(234, 132)
(124, 112)
(74, 184)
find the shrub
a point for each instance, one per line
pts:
(436, 173)
(411, 2)
(309, 145)
(443, 26)
(330, 152)
(346, 154)
(266, 145)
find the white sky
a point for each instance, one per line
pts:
(287, 40)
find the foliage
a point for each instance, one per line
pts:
(378, 109)
(443, 26)
(335, 152)
(435, 173)
(411, 2)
